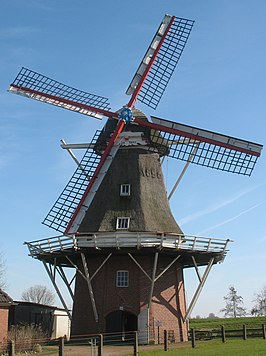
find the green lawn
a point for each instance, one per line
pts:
(229, 323)
(251, 347)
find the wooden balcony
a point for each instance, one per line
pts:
(142, 242)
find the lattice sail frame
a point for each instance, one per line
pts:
(63, 209)
(164, 53)
(203, 147)
(39, 87)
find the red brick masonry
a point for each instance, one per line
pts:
(5, 302)
(168, 300)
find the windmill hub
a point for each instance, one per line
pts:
(126, 115)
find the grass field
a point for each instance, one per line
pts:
(236, 347)
(251, 347)
(229, 323)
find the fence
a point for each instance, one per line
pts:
(128, 343)
(224, 334)
(93, 345)
(112, 344)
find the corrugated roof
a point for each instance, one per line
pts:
(4, 297)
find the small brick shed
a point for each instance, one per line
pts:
(5, 303)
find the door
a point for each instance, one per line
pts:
(121, 323)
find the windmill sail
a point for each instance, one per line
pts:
(160, 60)
(64, 207)
(205, 148)
(39, 87)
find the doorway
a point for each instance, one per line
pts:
(121, 323)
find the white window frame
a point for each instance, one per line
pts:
(122, 279)
(125, 190)
(122, 223)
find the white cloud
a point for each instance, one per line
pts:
(230, 219)
(216, 207)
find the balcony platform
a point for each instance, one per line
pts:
(58, 247)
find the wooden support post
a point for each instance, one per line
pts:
(199, 289)
(88, 280)
(11, 348)
(244, 332)
(153, 278)
(263, 331)
(52, 278)
(61, 346)
(136, 344)
(165, 340)
(158, 333)
(193, 338)
(100, 346)
(223, 333)
(191, 156)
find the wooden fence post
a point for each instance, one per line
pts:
(100, 346)
(136, 344)
(165, 340)
(61, 346)
(11, 348)
(193, 337)
(263, 331)
(244, 332)
(223, 333)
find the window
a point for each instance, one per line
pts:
(122, 223)
(122, 279)
(125, 190)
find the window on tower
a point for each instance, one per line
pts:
(122, 223)
(125, 190)
(122, 279)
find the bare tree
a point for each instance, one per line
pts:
(38, 294)
(233, 304)
(259, 309)
(2, 272)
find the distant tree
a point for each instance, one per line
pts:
(259, 308)
(198, 317)
(212, 316)
(233, 304)
(2, 272)
(38, 294)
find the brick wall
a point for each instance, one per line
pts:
(3, 325)
(168, 302)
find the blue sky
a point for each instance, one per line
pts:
(96, 46)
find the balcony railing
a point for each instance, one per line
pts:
(120, 240)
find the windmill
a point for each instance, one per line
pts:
(117, 231)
